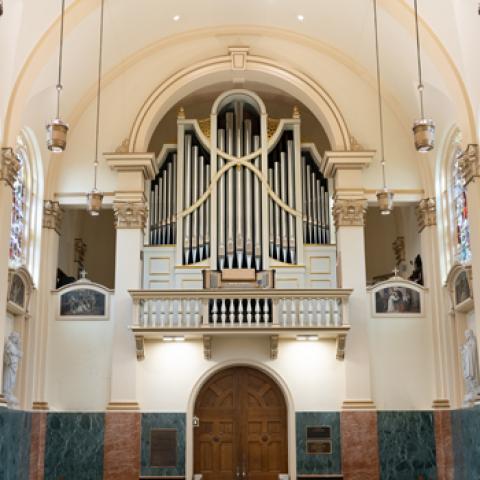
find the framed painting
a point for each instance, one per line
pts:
(462, 288)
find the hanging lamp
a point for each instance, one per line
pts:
(384, 196)
(95, 197)
(424, 128)
(57, 129)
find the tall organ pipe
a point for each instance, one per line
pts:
(201, 210)
(239, 198)
(276, 208)
(271, 218)
(221, 204)
(304, 202)
(207, 212)
(291, 201)
(164, 206)
(283, 213)
(230, 194)
(309, 204)
(257, 202)
(314, 207)
(194, 187)
(173, 203)
(187, 231)
(249, 204)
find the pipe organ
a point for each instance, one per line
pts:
(239, 192)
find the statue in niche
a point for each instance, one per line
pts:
(11, 358)
(417, 274)
(470, 367)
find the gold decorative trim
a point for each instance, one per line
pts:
(52, 215)
(441, 404)
(358, 405)
(205, 125)
(181, 114)
(124, 146)
(350, 212)
(130, 215)
(9, 166)
(42, 406)
(118, 406)
(426, 213)
(272, 125)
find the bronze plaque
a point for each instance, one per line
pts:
(315, 433)
(163, 448)
(319, 447)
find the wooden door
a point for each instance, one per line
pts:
(242, 433)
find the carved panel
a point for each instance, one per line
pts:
(130, 215)
(9, 166)
(350, 212)
(52, 215)
(426, 213)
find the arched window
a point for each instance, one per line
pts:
(26, 206)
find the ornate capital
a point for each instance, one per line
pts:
(130, 214)
(350, 212)
(470, 163)
(426, 213)
(9, 166)
(52, 215)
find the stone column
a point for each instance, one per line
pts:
(130, 209)
(350, 206)
(52, 222)
(9, 167)
(427, 221)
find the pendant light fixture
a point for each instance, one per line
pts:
(423, 129)
(57, 129)
(385, 196)
(95, 197)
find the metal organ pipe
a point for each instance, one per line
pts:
(271, 216)
(187, 231)
(249, 204)
(221, 204)
(201, 210)
(283, 195)
(207, 180)
(230, 194)
(239, 198)
(194, 188)
(276, 209)
(291, 201)
(257, 205)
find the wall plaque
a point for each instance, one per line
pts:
(319, 440)
(163, 448)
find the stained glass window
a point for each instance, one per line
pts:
(17, 231)
(460, 212)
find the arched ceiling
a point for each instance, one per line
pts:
(341, 28)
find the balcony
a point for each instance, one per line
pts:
(305, 314)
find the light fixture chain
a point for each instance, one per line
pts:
(100, 60)
(419, 61)
(379, 91)
(60, 59)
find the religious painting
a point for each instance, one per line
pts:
(462, 288)
(397, 300)
(17, 291)
(83, 302)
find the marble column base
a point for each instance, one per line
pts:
(37, 446)
(122, 446)
(444, 445)
(359, 445)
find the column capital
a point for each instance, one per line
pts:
(132, 163)
(130, 215)
(470, 163)
(349, 212)
(9, 166)
(426, 213)
(52, 215)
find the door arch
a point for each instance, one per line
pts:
(242, 431)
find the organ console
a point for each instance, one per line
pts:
(239, 191)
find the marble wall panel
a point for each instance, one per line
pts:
(163, 420)
(122, 446)
(406, 445)
(37, 447)
(466, 443)
(443, 443)
(308, 464)
(359, 442)
(74, 446)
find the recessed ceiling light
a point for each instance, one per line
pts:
(300, 18)
(176, 18)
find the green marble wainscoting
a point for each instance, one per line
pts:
(170, 421)
(308, 463)
(466, 443)
(15, 434)
(406, 445)
(74, 446)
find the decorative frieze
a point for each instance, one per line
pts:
(470, 163)
(350, 212)
(426, 213)
(9, 166)
(52, 215)
(130, 214)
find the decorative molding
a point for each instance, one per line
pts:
(9, 166)
(426, 213)
(470, 163)
(123, 406)
(273, 347)
(358, 405)
(350, 212)
(341, 344)
(441, 404)
(238, 56)
(130, 215)
(140, 347)
(207, 347)
(52, 215)
(355, 146)
(123, 147)
(42, 406)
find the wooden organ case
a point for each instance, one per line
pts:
(239, 201)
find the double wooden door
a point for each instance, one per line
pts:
(242, 431)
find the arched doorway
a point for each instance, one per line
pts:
(242, 431)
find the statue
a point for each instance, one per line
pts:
(11, 358)
(470, 367)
